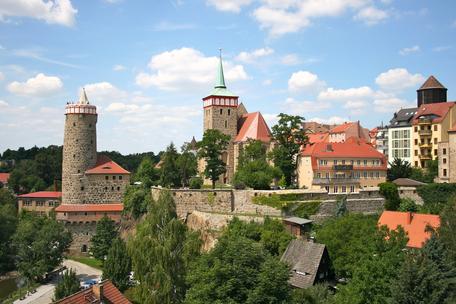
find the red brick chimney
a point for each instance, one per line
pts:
(97, 290)
(409, 217)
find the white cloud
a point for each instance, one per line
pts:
(250, 57)
(305, 81)
(233, 6)
(346, 94)
(104, 93)
(371, 15)
(32, 54)
(441, 48)
(290, 59)
(186, 68)
(2, 76)
(3, 104)
(389, 105)
(118, 68)
(295, 107)
(38, 86)
(52, 11)
(281, 17)
(409, 50)
(333, 120)
(398, 79)
(267, 82)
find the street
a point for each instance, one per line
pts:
(45, 293)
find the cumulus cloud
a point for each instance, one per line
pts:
(296, 107)
(233, 6)
(118, 68)
(409, 50)
(346, 94)
(38, 86)
(52, 11)
(250, 57)
(104, 93)
(305, 81)
(281, 17)
(2, 76)
(389, 105)
(331, 120)
(290, 59)
(398, 79)
(186, 68)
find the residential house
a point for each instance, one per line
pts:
(400, 135)
(42, 202)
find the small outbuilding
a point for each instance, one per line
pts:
(297, 226)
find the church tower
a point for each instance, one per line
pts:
(220, 113)
(79, 148)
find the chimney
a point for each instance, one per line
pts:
(409, 218)
(329, 148)
(97, 290)
(56, 188)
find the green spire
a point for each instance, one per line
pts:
(220, 78)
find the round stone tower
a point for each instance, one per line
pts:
(79, 148)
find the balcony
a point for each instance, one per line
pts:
(425, 145)
(335, 181)
(425, 156)
(424, 121)
(343, 167)
(425, 132)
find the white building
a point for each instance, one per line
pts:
(400, 135)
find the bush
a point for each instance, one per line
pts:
(196, 182)
(239, 186)
(435, 196)
(389, 192)
(408, 205)
(304, 210)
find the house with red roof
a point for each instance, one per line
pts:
(415, 225)
(341, 167)
(4, 177)
(346, 130)
(41, 202)
(103, 292)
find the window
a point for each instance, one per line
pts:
(435, 151)
(365, 162)
(416, 163)
(416, 129)
(435, 141)
(112, 188)
(113, 177)
(327, 188)
(74, 124)
(221, 111)
(444, 172)
(106, 177)
(327, 175)
(39, 204)
(118, 188)
(435, 127)
(344, 189)
(120, 177)
(335, 162)
(82, 188)
(351, 162)
(318, 175)
(226, 124)
(365, 174)
(51, 204)
(444, 160)
(85, 213)
(229, 112)
(371, 174)
(416, 152)
(444, 151)
(352, 188)
(336, 189)
(343, 162)
(377, 174)
(416, 141)
(358, 162)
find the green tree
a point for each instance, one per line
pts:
(39, 243)
(146, 173)
(290, 136)
(447, 229)
(7, 198)
(211, 148)
(317, 294)
(160, 253)
(399, 169)
(391, 195)
(253, 170)
(136, 201)
(68, 285)
(408, 205)
(237, 270)
(8, 224)
(169, 173)
(117, 267)
(341, 206)
(105, 233)
(187, 167)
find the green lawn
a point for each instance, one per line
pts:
(92, 262)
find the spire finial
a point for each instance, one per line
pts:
(83, 97)
(220, 78)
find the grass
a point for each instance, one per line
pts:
(287, 203)
(89, 261)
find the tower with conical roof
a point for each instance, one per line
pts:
(79, 148)
(221, 113)
(432, 91)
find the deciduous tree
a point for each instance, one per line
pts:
(105, 233)
(117, 266)
(169, 173)
(68, 285)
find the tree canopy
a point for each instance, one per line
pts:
(117, 266)
(67, 285)
(399, 169)
(105, 233)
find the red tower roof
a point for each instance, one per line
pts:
(253, 126)
(105, 165)
(431, 83)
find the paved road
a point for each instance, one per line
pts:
(44, 293)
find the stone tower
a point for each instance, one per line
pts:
(221, 113)
(432, 91)
(79, 148)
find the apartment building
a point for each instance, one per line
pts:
(341, 167)
(400, 135)
(41, 202)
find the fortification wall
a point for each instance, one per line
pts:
(105, 189)
(82, 234)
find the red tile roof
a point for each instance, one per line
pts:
(4, 178)
(253, 126)
(432, 83)
(89, 208)
(106, 166)
(352, 147)
(414, 224)
(110, 295)
(440, 110)
(43, 194)
(342, 128)
(317, 137)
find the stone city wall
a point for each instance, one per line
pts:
(82, 234)
(105, 189)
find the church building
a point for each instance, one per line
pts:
(223, 112)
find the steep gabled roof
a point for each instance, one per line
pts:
(437, 111)
(317, 137)
(352, 147)
(110, 294)
(342, 128)
(414, 224)
(253, 126)
(304, 259)
(42, 194)
(431, 83)
(105, 165)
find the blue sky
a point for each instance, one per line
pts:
(147, 64)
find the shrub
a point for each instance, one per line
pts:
(239, 186)
(304, 210)
(196, 182)
(389, 192)
(408, 205)
(435, 196)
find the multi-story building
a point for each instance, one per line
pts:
(92, 184)
(400, 135)
(223, 112)
(379, 139)
(342, 167)
(447, 158)
(346, 130)
(430, 127)
(42, 202)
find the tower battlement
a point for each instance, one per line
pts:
(76, 108)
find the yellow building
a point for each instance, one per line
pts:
(341, 167)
